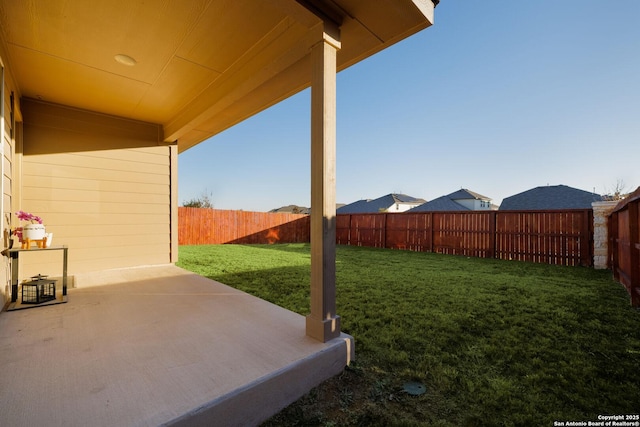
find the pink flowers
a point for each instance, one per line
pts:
(25, 216)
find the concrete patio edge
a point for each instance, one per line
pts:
(259, 400)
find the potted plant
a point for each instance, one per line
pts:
(33, 230)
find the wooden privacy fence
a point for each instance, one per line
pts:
(198, 226)
(624, 245)
(549, 237)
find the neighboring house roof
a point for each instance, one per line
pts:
(442, 203)
(464, 194)
(449, 203)
(298, 209)
(291, 209)
(551, 197)
(356, 207)
(380, 204)
(403, 198)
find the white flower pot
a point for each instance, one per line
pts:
(33, 232)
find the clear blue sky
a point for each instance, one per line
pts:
(498, 97)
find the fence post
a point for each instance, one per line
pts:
(586, 239)
(431, 232)
(613, 245)
(492, 234)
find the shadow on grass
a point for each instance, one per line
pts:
(287, 287)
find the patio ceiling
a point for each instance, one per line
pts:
(201, 66)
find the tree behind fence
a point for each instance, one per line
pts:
(550, 237)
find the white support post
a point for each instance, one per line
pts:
(323, 323)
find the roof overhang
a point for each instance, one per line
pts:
(198, 66)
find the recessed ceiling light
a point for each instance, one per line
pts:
(125, 60)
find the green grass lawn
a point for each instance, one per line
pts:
(494, 342)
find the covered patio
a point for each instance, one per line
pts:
(158, 346)
(97, 102)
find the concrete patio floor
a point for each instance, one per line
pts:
(158, 346)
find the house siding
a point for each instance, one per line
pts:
(10, 133)
(102, 186)
(475, 205)
(7, 146)
(5, 140)
(469, 204)
(401, 207)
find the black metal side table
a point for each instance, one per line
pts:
(15, 276)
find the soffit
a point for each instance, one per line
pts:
(202, 65)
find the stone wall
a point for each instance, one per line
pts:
(601, 211)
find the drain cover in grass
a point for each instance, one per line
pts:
(415, 389)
